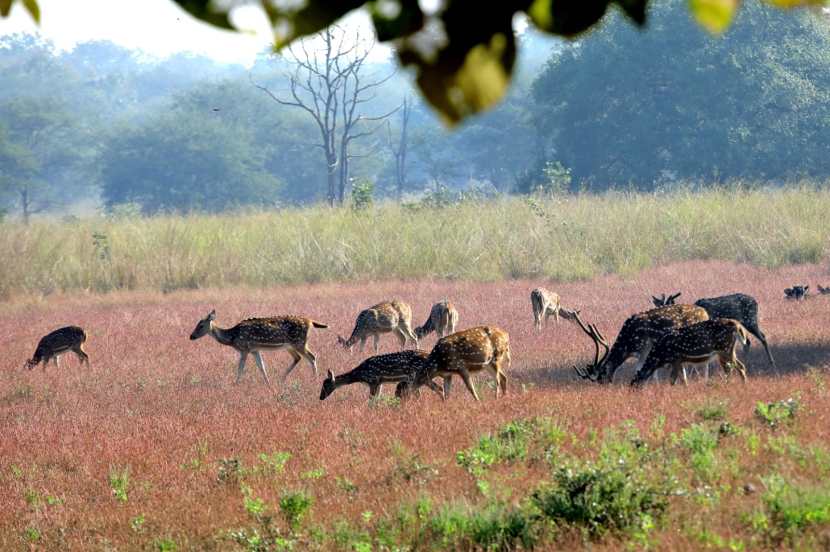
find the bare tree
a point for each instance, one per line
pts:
(329, 86)
(399, 150)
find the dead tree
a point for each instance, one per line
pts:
(329, 86)
(399, 150)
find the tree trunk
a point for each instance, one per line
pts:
(331, 175)
(25, 205)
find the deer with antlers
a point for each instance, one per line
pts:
(664, 299)
(636, 338)
(386, 317)
(696, 344)
(257, 334)
(54, 344)
(443, 318)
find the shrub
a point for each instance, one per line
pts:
(774, 413)
(295, 506)
(362, 195)
(790, 510)
(600, 499)
(119, 480)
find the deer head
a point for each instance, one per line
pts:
(345, 343)
(595, 371)
(328, 386)
(203, 327)
(662, 301)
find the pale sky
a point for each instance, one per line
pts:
(159, 27)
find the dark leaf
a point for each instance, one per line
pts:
(315, 16)
(33, 9)
(396, 19)
(203, 9)
(5, 7)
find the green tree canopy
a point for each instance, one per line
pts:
(671, 103)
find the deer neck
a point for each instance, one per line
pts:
(221, 334)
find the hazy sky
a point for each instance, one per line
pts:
(158, 27)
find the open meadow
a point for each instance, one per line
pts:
(154, 448)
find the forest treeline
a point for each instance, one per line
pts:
(620, 108)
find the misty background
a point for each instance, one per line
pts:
(102, 127)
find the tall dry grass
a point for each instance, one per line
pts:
(566, 239)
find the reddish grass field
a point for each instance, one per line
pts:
(166, 408)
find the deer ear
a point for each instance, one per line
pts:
(212, 315)
(330, 376)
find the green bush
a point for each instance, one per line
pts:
(775, 413)
(294, 507)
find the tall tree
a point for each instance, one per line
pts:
(331, 88)
(686, 107)
(400, 147)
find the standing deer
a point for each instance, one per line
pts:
(466, 352)
(545, 304)
(403, 367)
(443, 318)
(664, 300)
(54, 344)
(636, 338)
(696, 344)
(257, 334)
(744, 309)
(389, 316)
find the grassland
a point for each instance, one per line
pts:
(154, 448)
(577, 237)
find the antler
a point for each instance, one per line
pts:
(591, 371)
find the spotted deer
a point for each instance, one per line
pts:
(545, 304)
(443, 318)
(402, 367)
(54, 344)
(467, 352)
(664, 300)
(260, 334)
(636, 338)
(387, 317)
(696, 344)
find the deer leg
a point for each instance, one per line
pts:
(310, 357)
(374, 390)
(556, 315)
(465, 376)
(377, 340)
(241, 368)
(401, 337)
(296, 356)
(57, 360)
(83, 358)
(436, 388)
(261, 365)
(447, 386)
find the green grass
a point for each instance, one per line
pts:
(572, 238)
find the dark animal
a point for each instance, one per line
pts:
(54, 344)
(403, 367)
(740, 307)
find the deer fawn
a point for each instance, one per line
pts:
(467, 352)
(696, 344)
(402, 368)
(389, 316)
(545, 304)
(443, 318)
(54, 344)
(664, 300)
(636, 338)
(257, 334)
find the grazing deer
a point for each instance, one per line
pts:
(257, 334)
(569, 314)
(403, 367)
(662, 301)
(389, 316)
(545, 304)
(796, 292)
(696, 344)
(823, 290)
(467, 352)
(443, 318)
(740, 307)
(636, 338)
(54, 344)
